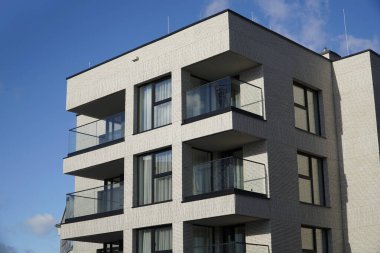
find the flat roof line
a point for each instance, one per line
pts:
(150, 42)
(205, 19)
(360, 52)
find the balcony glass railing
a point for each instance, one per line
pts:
(222, 94)
(229, 173)
(234, 247)
(94, 201)
(66, 246)
(96, 133)
(113, 250)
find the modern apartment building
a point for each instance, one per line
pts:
(224, 137)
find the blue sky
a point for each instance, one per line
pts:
(43, 41)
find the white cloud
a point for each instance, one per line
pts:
(215, 6)
(41, 224)
(357, 44)
(302, 21)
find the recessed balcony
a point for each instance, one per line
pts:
(230, 175)
(234, 238)
(223, 95)
(233, 247)
(97, 134)
(94, 203)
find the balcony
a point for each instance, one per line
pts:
(96, 134)
(221, 96)
(228, 176)
(94, 203)
(234, 247)
(113, 250)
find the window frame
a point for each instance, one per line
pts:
(154, 176)
(321, 172)
(153, 238)
(324, 239)
(306, 108)
(154, 103)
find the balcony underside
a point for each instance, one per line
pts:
(100, 238)
(102, 107)
(101, 171)
(226, 140)
(225, 220)
(227, 63)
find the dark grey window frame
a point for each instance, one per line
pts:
(321, 172)
(153, 241)
(154, 176)
(316, 94)
(110, 246)
(154, 103)
(324, 238)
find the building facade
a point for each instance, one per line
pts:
(224, 137)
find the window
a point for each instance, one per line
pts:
(156, 239)
(111, 247)
(155, 177)
(314, 240)
(306, 110)
(310, 179)
(113, 128)
(155, 105)
(112, 197)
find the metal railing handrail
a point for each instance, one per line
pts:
(230, 77)
(248, 83)
(231, 243)
(71, 193)
(70, 130)
(229, 157)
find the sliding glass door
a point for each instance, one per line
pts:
(202, 171)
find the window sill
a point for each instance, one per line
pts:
(315, 205)
(304, 131)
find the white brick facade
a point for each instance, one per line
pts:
(228, 44)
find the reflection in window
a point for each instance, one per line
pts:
(306, 111)
(310, 179)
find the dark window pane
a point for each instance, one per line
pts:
(316, 181)
(299, 95)
(307, 238)
(305, 190)
(301, 118)
(303, 165)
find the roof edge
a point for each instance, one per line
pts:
(151, 42)
(361, 52)
(210, 17)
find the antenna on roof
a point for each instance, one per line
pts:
(89, 64)
(168, 25)
(252, 16)
(345, 32)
